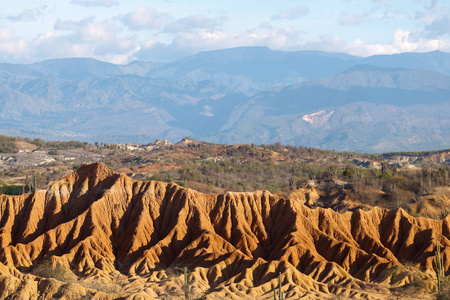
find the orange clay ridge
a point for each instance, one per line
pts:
(96, 234)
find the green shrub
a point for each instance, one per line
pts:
(386, 175)
(348, 173)
(7, 144)
(10, 189)
(157, 177)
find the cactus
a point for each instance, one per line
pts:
(439, 265)
(280, 291)
(187, 287)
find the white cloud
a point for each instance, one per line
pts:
(403, 41)
(171, 38)
(284, 39)
(265, 25)
(145, 18)
(348, 18)
(73, 25)
(438, 28)
(435, 21)
(69, 38)
(119, 46)
(89, 3)
(192, 42)
(291, 14)
(379, 10)
(28, 14)
(11, 47)
(6, 34)
(89, 31)
(192, 23)
(81, 38)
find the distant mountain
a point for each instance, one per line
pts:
(358, 126)
(433, 61)
(253, 69)
(364, 109)
(240, 95)
(82, 68)
(140, 67)
(76, 68)
(399, 87)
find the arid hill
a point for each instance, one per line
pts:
(103, 235)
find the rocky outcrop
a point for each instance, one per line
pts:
(100, 225)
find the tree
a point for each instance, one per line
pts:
(348, 173)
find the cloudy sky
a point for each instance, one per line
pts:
(121, 31)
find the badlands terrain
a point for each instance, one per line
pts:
(147, 223)
(416, 181)
(100, 234)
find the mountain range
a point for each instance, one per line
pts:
(240, 95)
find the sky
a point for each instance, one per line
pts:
(120, 31)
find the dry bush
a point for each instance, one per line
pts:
(102, 286)
(58, 271)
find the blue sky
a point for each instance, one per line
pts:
(121, 31)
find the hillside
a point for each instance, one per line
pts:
(415, 181)
(364, 109)
(239, 95)
(124, 238)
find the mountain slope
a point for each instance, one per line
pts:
(246, 95)
(433, 61)
(98, 223)
(93, 108)
(362, 109)
(253, 69)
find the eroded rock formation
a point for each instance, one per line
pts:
(104, 226)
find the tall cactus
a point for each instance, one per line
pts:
(439, 265)
(280, 291)
(187, 287)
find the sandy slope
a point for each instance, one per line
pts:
(127, 239)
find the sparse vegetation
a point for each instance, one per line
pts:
(11, 189)
(372, 179)
(102, 285)
(7, 144)
(49, 269)
(279, 169)
(443, 283)
(181, 277)
(57, 145)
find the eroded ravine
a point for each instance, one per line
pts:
(98, 223)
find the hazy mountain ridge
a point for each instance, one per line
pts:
(356, 126)
(248, 94)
